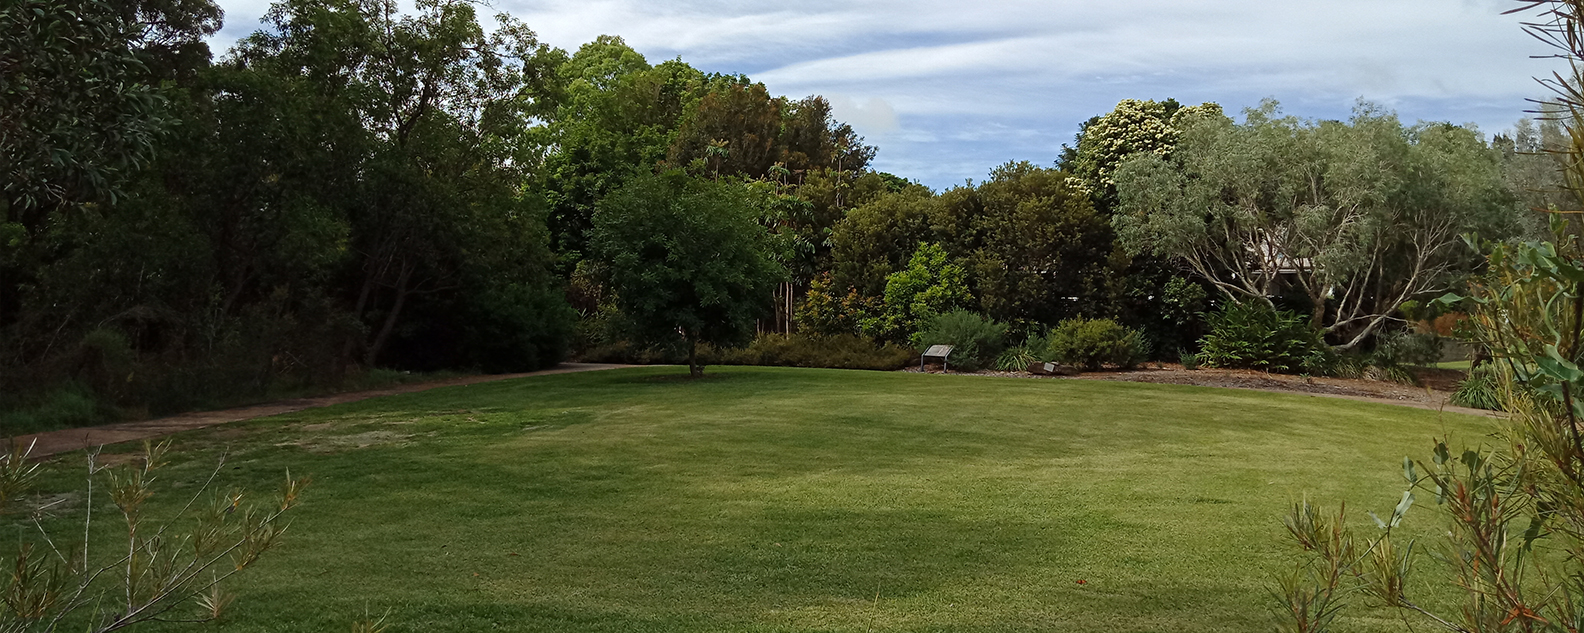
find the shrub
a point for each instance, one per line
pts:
(1093, 343)
(1325, 360)
(1253, 335)
(930, 286)
(1480, 390)
(976, 341)
(178, 565)
(1189, 360)
(845, 351)
(1034, 349)
(69, 405)
(1407, 348)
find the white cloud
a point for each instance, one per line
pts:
(872, 117)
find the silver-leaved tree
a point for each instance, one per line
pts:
(1360, 215)
(1514, 513)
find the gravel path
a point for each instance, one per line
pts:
(55, 442)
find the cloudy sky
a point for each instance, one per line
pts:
(949, 89)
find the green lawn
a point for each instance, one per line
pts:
(763, 499)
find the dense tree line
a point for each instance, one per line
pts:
(355, 187)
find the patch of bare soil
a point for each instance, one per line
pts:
(339, 443)
(1434, 391)
(55, 442)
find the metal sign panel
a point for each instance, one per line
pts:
(939, 351)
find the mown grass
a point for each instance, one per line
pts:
(779, 500)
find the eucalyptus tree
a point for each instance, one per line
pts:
(1360, 215)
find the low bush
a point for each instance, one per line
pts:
(1481, 390)
(976, 341)
(1093, 343)
(1253, 335)
(1034, 349)
(67, 406)
(1407, 348)
(842, 351)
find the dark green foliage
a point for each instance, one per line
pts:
(77, 109)
(514, 328)
(1407, 348)
(846, 351)
(1032, 243)
(64, 406)
(1094, 343)
(1167, 308)
(1253, 335)
(878, 239)
(1031, 246)
(345, 190)
(688, 260)
(977, 341)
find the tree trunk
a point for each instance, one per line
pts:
(352, 338)
(694, 368)
(390, 319)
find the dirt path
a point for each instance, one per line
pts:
(55, 442)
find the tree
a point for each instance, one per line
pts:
(930, 286)
(1035, 246)
(615, 118)
(689, 261)
(445, 113)
(1360, 216)
(1514, 512)
(1531, 155)
(1133, 127)
(81, 109)
(879, 238)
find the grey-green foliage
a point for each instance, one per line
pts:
(976, 341)
(1533, 168)
(1094, 343)
(1362, 214)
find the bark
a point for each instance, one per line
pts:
(357, 313)
(390, 318)
(694, 368)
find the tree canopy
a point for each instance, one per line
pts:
(689, 261)
(1359, 215)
